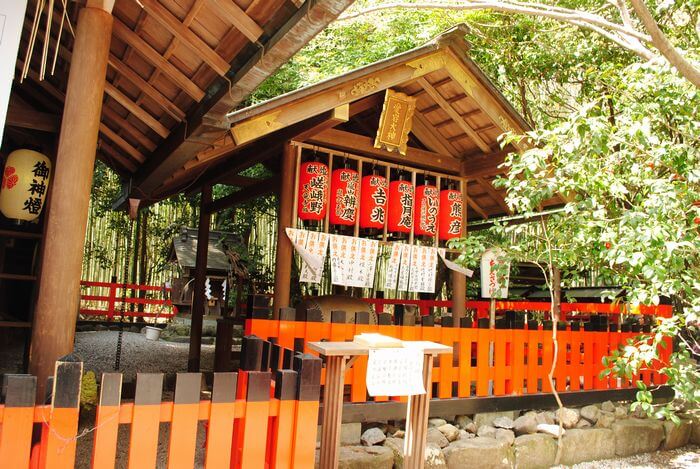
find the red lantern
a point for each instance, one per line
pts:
(450, 214)
(400, 207)
(373, 201)
(426, 213)
(313, 191)
(344, 185)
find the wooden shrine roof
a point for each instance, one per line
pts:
(176, 68)
(459, 117)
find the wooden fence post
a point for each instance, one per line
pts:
(104, 451)
(18, 419)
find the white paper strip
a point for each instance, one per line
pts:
(392, 267)
(11, 20)
(453, 265)
(405, 267)
(395, 372)
(353, 261)
(311, 247)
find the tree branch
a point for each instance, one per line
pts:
(661, 42)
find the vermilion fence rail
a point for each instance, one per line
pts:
(521, 358)
(115, 303)
(258, 418)
(482, 307)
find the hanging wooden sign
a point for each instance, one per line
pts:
(395, 122)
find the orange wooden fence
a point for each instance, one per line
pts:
(522, 357)
(114, 301)
(265, 417)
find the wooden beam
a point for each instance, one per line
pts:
(365, 145)
(186, 36)
(488, 187)
(338, 116)
(121, 123)
(27, 118)
(112, 156)
(121, 143)
(476, 207)
(237, 17)
(344, 92)
(451, 100)
(263, 187)
(454, 115)
(125, 34)
(149, 90)
(250, 67)
(474, 166)
(136, 110)
(431, 137)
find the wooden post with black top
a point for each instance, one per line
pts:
(283, 262)
(200, 278)
(340, 356)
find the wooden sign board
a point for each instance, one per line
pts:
(396, 121)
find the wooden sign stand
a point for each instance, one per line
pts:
(340, 356)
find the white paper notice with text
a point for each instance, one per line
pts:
(395, 372)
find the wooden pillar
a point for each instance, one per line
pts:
(59, 288)
(283, 264)
(200, 278)
(459, 281)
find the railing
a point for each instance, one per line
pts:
(246, 427)
(482, 307)
(115, 303)
(521, 357)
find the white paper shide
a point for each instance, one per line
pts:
(395, 372)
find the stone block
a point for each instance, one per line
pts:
(350, 434)
(676, 435)
(487, 453)
(365, 457)
(435, 436)
(590, 444)
(634, 436)
(534, 451)
(525, 424)
(487, 418)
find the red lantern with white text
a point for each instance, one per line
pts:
(373, 201)
(400, 207)
(426, 212)
(450, 225)
(344, 186)
(313, 191)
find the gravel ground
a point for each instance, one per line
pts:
(98, 349)
(686, 457)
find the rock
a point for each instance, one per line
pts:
(350, 434)
(372, 436)
(465, 435)
(634, 436)
(545, 417)
(506, 435)
(550, 429)
(568, 417)
(620, 412)
(695, 433)
(676, 435)
(396, 446)
(471, 428)
(461, 421)
(487, 418)
(450, 431)
(436, 422)
(534, 451)
(435, 436)
(434, 457)
(486, 431)
(399, 434)
(365, 457)
(587, 445)
(487, 453)
(503, 422)
(583, 423)
(590, 413)
(607, 406)
(605, 419)
(525, 424)
(639, 413)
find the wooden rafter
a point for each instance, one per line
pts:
(121, 143)
(463, 115)
(430, 138)
(121, 123)
(453, 99)
(488, 187)
(476, 207)
(23, 116)
(136, 110)
(111, 154)
(454, 115)
(124, 33)
(238, 18)
(185, 35)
